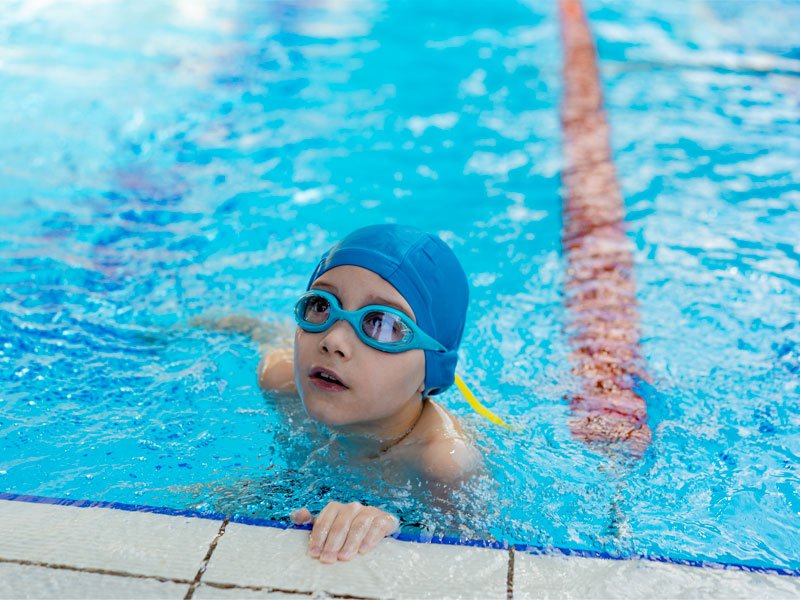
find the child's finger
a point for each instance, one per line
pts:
(339, 531)
(382, 526)
(301, 516)
(322, 525)
(359, 527)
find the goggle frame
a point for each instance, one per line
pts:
(419, 340)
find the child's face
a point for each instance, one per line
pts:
(380, 385)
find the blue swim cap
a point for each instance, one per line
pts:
(427, 274)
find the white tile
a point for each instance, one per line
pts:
(26, 581)
(573, 577)
(114, 540)
(262, 556)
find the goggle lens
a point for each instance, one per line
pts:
(315, 309)
(385, 327)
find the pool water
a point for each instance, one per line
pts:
(162, 161)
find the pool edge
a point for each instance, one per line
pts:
(405, 537)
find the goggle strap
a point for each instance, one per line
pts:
(477, 406)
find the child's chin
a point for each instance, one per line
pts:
(324, 412)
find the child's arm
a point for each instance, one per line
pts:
(275, 370)
(343, 530)
(257, 330)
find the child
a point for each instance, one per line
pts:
(378, 331)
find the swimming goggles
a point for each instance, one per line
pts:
(381, 327)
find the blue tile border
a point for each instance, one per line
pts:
(685, 562)
(403, 537)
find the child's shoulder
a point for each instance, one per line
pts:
(446, 455)
(276, 370)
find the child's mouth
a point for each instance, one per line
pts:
(326, 380)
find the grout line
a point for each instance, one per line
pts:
(222, 586)
(93, 570)
(204, 566)
(510, 575)
(269, 589)
(255, 588)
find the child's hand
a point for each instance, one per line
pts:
(342, 530)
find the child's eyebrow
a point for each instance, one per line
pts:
(371, 299)
(330, 287)
(378, 300)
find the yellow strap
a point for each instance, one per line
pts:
(477, 406)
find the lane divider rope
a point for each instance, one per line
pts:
(600, 291)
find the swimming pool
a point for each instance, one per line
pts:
(164, 163)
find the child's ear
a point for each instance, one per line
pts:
(421, 387)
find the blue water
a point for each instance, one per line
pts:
(161, 161)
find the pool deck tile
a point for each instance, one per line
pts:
(277, 559)
(54, 551)
(574, 577)
(29, 581)
(112, 540)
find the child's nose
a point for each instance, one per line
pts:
(338, 339)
